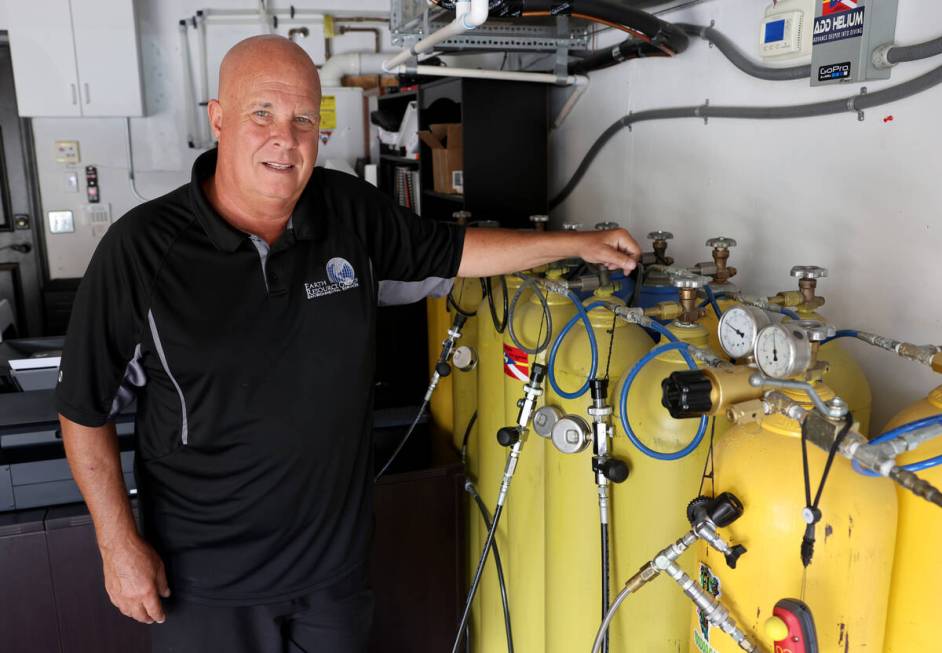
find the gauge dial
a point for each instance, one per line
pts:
(782, 351)
(738, 329)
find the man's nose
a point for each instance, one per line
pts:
(283, 135)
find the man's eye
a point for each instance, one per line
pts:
(262, 114)
(307, 121)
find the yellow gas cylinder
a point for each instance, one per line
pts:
(572, 528)
(439, 319)
(845, 375)
(524, 511)
(649, 507)
(468, 297)
(487, 615)
(721, 274)
(913, 615)
(847, 584)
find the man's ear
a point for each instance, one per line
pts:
(214, 109)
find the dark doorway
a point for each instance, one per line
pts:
(20, 256)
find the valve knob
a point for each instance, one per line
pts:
(508, 436)
(734, 555)
(725, 509)
(660, 235)
(443, 369)
(721, 242)
(808, 272)
(604, 226)
(614, 470)
(689, 281)
(462, 217)
(539, 218)
(686, 394)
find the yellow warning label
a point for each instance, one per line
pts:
(329, 112)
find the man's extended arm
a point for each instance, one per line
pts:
(134, 574)
(489, 252)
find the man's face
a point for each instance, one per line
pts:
(268, 131)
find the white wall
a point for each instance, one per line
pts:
(162, 159)
(860, 198)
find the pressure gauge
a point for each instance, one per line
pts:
(738, 329)
(783, 351)
(464, 358)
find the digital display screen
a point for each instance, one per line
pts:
(775, 31)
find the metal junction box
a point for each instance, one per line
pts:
(845, 35)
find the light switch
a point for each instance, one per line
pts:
(61, 222)
(72, 182)
(67, 152)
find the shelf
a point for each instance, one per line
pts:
(444, 196)
(399, 159)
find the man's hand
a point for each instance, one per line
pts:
(613, 248)
(135, 579)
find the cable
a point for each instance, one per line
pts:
(467, 433)
(854, 103)
(581, 314)
(792, 315)
(740, 59)
(903, 430)
(470, 489)
(606, 582)
(402, 442)
(547, 317)
(454, 303)
(623, 403)
(499, 326)
(131, 180)
(477, 575)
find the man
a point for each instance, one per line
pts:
(240, 310)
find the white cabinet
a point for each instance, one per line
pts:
(75, 58)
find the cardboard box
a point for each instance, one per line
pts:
(447, 154)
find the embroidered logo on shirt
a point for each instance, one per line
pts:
(340, 277)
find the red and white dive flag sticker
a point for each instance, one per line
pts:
(516, 363)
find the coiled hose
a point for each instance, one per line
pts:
(530, 283)
(674, 345)
(582, 313)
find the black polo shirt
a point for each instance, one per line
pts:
(253, 370)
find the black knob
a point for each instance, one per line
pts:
(697, 509)
(443, 368)
(725, 509)
(537, 373)
(460, 319)
(508, 436)
(734, 555)
(614, 470)
(687, 394)
(599, 389)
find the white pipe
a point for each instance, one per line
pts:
(131, 179)
(188, 101)
(350, 63)
(203, 122)
(476, 73)
(582, 85)
(469, 14)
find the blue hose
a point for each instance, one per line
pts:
(843, 333)
(902, 430)
(790, 314)
(623, 402)
(663, 330)
(581, 314)
(711, 300)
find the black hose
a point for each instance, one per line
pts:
(454, 303)
(476, 581)
(829, 107)
(547, 317)
(739, 59)
(924, 50)
(467, 433)
(606, 573)
(402, 442)
(500, 325)
(606, 57)
(505, 603)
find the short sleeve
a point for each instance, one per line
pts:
(101, 338)
(406, 247)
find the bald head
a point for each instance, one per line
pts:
(266, 55)
(266, 121)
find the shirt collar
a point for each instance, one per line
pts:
(224, 236)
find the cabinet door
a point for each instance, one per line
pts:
(43, 54)
(106, 48)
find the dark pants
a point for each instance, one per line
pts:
(332, 620)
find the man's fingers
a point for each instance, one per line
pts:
(155, 611)
(138, 613)
(162, 587)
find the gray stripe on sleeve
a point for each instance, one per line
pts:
(184, 431)
(396, 293)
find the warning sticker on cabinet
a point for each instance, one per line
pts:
(839, 26)
(516, 363)
(329, 112)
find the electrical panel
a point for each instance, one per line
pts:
(845, 35)
(785, 32)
